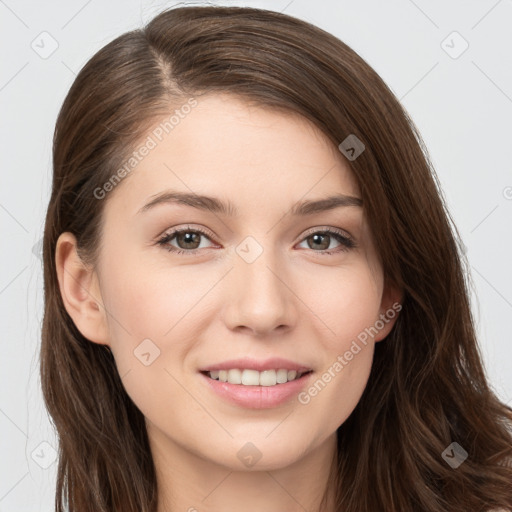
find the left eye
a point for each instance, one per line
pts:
(189, 241)
(320, 238)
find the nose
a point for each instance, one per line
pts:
(259, 298)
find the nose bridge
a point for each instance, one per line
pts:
(261, 299)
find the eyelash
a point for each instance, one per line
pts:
(346, 242)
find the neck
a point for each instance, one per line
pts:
(188, 482)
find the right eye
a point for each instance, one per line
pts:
(186, 237)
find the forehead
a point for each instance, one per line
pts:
(256, 157)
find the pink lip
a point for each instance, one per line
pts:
(257, 397)
(275, 363)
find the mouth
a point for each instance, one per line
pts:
(249, 377)
(252, 389)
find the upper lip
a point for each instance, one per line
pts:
(275, 363)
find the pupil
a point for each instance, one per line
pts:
(318, 239)
(188, 238)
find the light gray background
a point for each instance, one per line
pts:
(462, 107)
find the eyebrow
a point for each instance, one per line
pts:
(216, 205)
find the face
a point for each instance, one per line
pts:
(188, 288)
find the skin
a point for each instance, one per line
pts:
(292, 302)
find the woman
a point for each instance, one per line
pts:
(254, 295)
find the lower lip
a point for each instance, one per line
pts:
(257, 397)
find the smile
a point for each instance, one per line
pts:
(249, 377)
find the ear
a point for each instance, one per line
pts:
(390, 308)
(79, 288)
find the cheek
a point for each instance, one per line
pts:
(149, 331)
(149, 298)
(332, 397)
(157, 309)
(347, 305)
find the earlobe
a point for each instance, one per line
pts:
(80, 291)
(391, 305)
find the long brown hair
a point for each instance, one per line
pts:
(427, 388)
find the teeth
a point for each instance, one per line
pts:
(292, 374)
(233, 377)
(249, 377)
(282, 376)
(254, 377)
